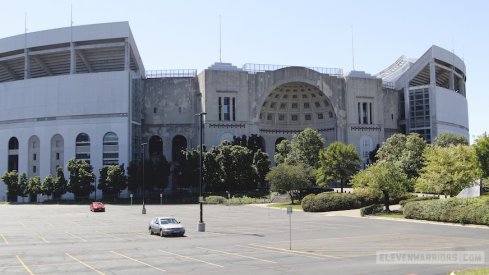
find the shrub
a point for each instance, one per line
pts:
(371, 209)
(403, 202)
(329, 201)
(215, 200)
(456, 210)
(368, 199)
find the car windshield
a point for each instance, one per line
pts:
(168, 221)
(98, 204)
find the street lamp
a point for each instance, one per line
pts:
(144, 208)
(201, 227)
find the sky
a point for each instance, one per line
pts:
(365, 35)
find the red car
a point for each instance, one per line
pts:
(97, 206)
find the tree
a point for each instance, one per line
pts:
(290, 179)
(448, 170)
(47, 186)
(261, 166)
(372, 155)
(34, 187)
(116, 177)
(11, 179)
(60, 184)
(381, 180)
(305, 147)
(81, 178)
(481, 148)
(449, 139)
(404, 151)
(134, 176)
(282, 152)
(338, 161)
(23, 181)
(102, 181)
(188, 170)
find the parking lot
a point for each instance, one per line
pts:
(56, 239)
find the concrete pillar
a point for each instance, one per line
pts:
(451, 81)
(27, 64)
(72, 58)
(127, 56)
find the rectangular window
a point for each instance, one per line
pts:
(57, 156)
(306, 105)
(154, 110)
(282, 105)
(307, 117)
(234, 109)
(320, 116)
(294, 117)
(364, 113)
(281, 117)
(34, 157)
(220, 108)
(359, 114)
(370, 109)
(226, 109)
(34, 169)
(295, 105)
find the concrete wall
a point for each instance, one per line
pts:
(447, 119)
(67, 105)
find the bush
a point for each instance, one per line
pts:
(371, 209)
(329, 201)
(215, 200)
(456, 210)
(367, 199)
(403, 202)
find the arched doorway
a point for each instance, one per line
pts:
(57, 153)
(13, 154)
(110, 149)
(155, 148)
(179, 144)
(82, 147)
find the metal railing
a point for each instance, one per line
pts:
(171, 73)
(256, 68)
(389, 85)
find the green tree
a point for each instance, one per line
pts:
(23, 191)
(134, 176)
(81, 178)
(211, 171)
(60, 184)
(11, 179)
(261, 166)
(305, 147)
(47, 186)
(481, 148)
(338, 161)
(449, 139)
(102, 181)
(448, 170)
(290, 179)
(116, 179)
(406, 152)
(34, 187)
(282, 152)
(381, 180)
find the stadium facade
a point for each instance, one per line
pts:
(82, 92)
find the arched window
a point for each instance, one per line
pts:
(179, 144)
(366, 146)
(57, 153)
(82, 150)
(155, 147)
(13, 154)
(278, 141)
(111, 149)
(33, 156)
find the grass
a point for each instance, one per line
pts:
(393, 214)
(285, 205)
(472, 271)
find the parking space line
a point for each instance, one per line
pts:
(138, 261)
(42, 238)
(110, 235)
(190, 258)
(296, 251)
(4, 239)
(236, 254)
(85, 264)
(75, 236)
(24, 265)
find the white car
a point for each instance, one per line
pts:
(166, 226)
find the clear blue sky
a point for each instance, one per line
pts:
(185, 34)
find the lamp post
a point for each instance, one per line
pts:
(144, 208)
(201, 227)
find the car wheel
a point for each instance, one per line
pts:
(161, 233)
(181, 235)
(150, 231)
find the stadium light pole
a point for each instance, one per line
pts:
(201, 227)
(144, 208)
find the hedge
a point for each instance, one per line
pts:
(455, 210)
(215, 200)
(366, 201)
(403, 202)
(329, 201)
